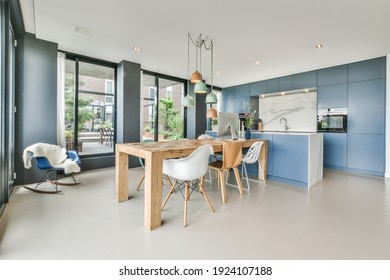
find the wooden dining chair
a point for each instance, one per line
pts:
(231, 159)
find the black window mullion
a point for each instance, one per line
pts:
(156, 101)
(76, 104)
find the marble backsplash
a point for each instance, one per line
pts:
(299, 109)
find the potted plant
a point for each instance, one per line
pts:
(214, 124)
(69, 140)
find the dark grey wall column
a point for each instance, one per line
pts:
(196, 116)
(128, 104)
(35, 98)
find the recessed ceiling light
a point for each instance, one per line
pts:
(319, 46)
(81, 30)
(263, 95)
(257, 62)
(136, 49)
(282, 93)
(218, 73)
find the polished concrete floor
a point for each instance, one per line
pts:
(345, 216)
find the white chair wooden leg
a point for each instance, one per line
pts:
(205, 196)
(140, 182)
(186, 196)
(169, 194)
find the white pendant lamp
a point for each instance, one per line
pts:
(188, 101)
(200, 87)
(211, 97)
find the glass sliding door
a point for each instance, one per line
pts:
(162, 113)
(10, 99)
(170, 111)
(90, 107)
(148, 110)
(3, 186)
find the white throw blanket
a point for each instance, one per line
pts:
(55, 155)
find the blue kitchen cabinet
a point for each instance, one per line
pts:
(228, 92)
(366, 107)
(238, 104)
(285, 83)
(334, 96)
(367, 70)
(241, 91)
(257, 88)
(367, 152)
(272, 85)
(304, 80)
(335, 149)
(290, 157)
(228, 105)
(332, 76)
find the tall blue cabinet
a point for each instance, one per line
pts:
(360, 87)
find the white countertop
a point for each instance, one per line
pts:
(285, 132)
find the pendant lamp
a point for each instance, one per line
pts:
(200, 87)
(211, 97)
(188, 101)
(196, 76)
(211, 113)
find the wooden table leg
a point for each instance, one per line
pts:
(263, 162)
(121, 175)
(153, 190)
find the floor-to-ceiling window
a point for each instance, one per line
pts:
(90, 105)
(2, 110)
(163, 116)
(7, 115)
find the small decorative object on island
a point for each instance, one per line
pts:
(260, 125)
(247, 133)
(249, 118)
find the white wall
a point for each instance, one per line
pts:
(387, 136)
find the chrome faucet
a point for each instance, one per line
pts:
(285, 123)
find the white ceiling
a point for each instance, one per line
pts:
(280, 34)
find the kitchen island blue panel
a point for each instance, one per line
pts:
(290, 154)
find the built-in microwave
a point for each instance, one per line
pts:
(332, 120)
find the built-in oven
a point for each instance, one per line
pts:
(332, 120)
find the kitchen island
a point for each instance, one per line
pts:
(293, 157)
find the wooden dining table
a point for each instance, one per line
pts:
(154, 153)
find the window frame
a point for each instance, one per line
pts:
(157, 77)
(80, 58)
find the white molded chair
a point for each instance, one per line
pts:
(188, 174)
(252, 156)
